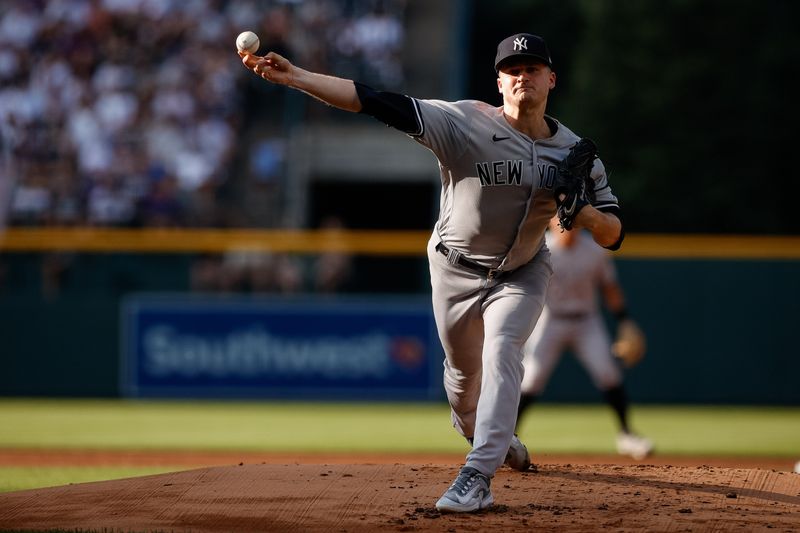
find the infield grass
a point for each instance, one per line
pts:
(66, 424)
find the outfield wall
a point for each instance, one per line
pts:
(720, 329)
(298, 347)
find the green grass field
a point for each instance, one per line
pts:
(375, 427)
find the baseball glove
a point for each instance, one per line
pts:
(630, 344)
(574, 187)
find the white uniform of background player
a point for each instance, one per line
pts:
(572, 320)
(489, 266)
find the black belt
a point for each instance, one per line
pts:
(569, 316)
(456, 258)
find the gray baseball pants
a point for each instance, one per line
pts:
(483, 326)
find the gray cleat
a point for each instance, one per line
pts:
(468, 493)
(517, 456)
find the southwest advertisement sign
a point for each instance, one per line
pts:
(191, 346)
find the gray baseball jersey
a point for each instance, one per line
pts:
(571, 318)
(497, 183)
(496, 201)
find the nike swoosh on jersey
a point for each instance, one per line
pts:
(495, 138)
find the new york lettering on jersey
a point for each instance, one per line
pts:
(547, 175)
(508, 172)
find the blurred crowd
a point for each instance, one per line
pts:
(260, 272)
(138, 113)
(131, 113)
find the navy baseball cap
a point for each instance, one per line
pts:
(522, 44)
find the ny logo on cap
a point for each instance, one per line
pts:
(520, 43)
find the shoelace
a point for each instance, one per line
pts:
(464, 482)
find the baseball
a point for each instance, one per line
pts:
(247, 41)
(797, 467)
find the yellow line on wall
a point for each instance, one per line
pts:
(367, 242)
(213, 241)
(710, 246)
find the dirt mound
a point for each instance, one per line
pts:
(400, 497)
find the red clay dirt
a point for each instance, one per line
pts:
(366, 493)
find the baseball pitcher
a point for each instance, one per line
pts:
(505, 172)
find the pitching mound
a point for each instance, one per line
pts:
(399, 497)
